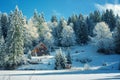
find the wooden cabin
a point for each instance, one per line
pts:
(40, 50)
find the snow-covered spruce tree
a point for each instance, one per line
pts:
(59, 28)
(68, 36)
(60, 60)
(14, 44)
(53, 26)
(1, 45)
(69, 60)
(117, 37)
(2, 51)
(103, 38)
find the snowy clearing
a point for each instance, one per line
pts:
(83, 57)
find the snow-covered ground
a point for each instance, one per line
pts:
(58, 75)
(83, 57)
(98, 67)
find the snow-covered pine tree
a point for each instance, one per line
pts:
(103, 38)
(60, 60)
(2, 51)
(53, 26)
(15, 40)
(69, 60)
(59, 28)
(117, 37)
(1, 45)
(68, 36)
(29, 54)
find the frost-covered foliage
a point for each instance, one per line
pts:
(103, 38)
(59, 29)
(53, 26)
(30, 34)
(14, 44)
(43, 29)
(60, 60)
(2, 51)
(67, 36)
(46, 35)
(29, 54)
(39, 22)
(86, 67)
(48, 40)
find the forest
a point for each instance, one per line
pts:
(19, 35)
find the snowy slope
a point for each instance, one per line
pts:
(99, 67)
(78, 53)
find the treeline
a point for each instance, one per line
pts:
(19, 35)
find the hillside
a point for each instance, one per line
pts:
(83, 57)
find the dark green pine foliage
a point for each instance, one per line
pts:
(59, 30)
(117, 37)
(81, 30)
(109, 18)
(96, 17)
(54, 18)
(92, 20)
(69, 20)
(69, 60)
(4, 24)
(1, 46)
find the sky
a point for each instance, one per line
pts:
(61, 8)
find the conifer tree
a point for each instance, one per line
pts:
(2, 51)
(81, 30)
(117, 37)
(109, 18)
(4, 24)
(14, 44)
(69, 61)
(60, 60)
